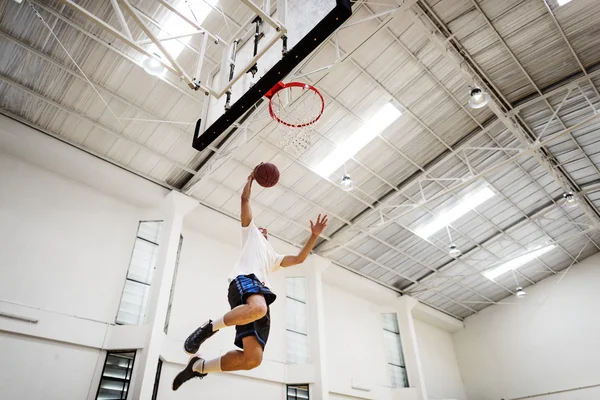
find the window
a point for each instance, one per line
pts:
(297, 392)
(116, 375)
(391, 335)
(168, 317)
(157, 379)
(132, 309)
(296, 330)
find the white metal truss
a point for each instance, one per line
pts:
(192, 79)
(172, 65)
(110, 47)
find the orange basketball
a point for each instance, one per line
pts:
(266, 174)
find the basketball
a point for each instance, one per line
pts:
(266, 174)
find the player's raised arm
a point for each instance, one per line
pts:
(316, 229)
(246, 216)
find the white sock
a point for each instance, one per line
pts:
(218, 324)
(204, 367)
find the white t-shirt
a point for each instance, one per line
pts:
(257, 257)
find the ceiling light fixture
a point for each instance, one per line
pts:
(153, 66)
(359, 139)
(454, 252)
(515, 263)
(454, 213)
(569, 197)
(478, 99)
(570, 200)
(347, 183)
(520, 293)
(563, 2)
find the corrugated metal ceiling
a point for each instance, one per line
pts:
(535, 57)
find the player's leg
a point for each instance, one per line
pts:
(254, 309)
(248, 303)
(251, 338)
(249, 358)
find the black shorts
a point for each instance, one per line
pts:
(240, 289)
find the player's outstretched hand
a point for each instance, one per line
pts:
(319, 226)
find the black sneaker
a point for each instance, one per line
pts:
(187, 374)
(199, 336)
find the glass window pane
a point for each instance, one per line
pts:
(398, 377)
(133, 303)
(297, 348)
(297, 392)
(149, 230)
(296, 288)
(142, 263)
(116, 376)
(295, 315)
(394, 348)
(390, 322)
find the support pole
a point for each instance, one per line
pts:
(231, 73)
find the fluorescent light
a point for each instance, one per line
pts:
(175, 26)
(516, 262)
(563, 2)
(451, 215)
(359, 139)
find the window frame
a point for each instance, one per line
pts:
(173, 282)
(292, 331)
(129, 371)
(295, 386)
(388, 353)
(157, 379)
(137, 281)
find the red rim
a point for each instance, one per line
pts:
(279, 87)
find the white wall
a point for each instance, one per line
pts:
(64, 251)
(547, 342)
(35, 369)
(440, 366)
(356, 353)
(355, 347)
(68, 226)
(65, 245)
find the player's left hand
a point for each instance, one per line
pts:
(319, 226)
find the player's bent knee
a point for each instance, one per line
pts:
(258, 307)
(259, 310)
(253, 360)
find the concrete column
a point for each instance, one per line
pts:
(410, 348)
(316, 320)
(175, 206)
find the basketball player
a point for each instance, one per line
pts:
(249, 297)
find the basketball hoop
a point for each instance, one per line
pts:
(296, 107)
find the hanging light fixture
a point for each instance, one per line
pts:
(454, 252)
(520, 293)
(153, 66)
(570, 199)
(347, 183)
(479, 98)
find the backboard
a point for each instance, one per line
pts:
(288, 31)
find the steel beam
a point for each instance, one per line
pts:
(110, 47)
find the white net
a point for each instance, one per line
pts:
(296, 108)
(295, 140)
